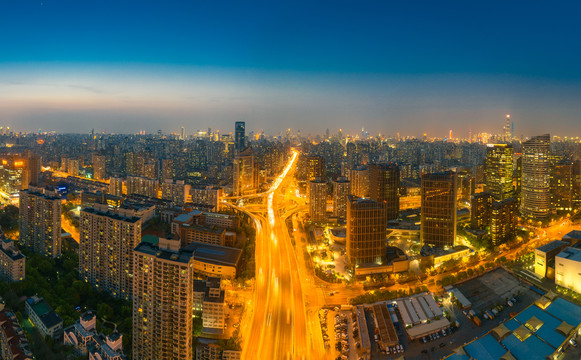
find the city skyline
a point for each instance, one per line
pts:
(385, 67)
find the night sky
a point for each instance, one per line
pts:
(408, 67)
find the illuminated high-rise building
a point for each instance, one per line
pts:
(116, 186)
(438, 209)
(176, 191)
(359, 178)
(39, 221)
(239, 136)
(14, 175)
(384, 187)
(245, 176)
(562, 188)
(167, 169)
(499, 170)
(481, 210)
(536, 178)
(508, 129)
(318, 200)
(163, 301)
(99, 167)
(106, 243)
(311, 167)
(341, 189)
(503, 220)
(466, 183)
(366, 231)
(142, 186)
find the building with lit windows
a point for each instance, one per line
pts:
(366, 231)
(536, 178)
(318, 200)
(481, 210)
(39, 221)
(116, 186)
(341, 189)
(503, 220)
(568, 269)
(163, 301)
(310, 168)
(209, 299)
(244, 172)
(177, 192)
(438, 209)
(207, 196)
(359, 178)
(106, 244)
(140, 185)
(239, 136)
(562, 188)
(499, 170)
(14, 175)
(99, 167)
(12, 261)
(384, 187)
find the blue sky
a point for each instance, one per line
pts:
(405, 67)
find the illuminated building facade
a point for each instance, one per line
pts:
(366, 231)
(536, 178)
(175, 191)
(341, 189)
(481, 210)
(499, 170)
(359, 178)
(207, 196)
(163, 301)
(562, 188)
(99, 167)
(239, 136)
(14, 175)
(503, 221)
(142, 186)
(568, 269)
(106, 246)
(245, 174)
(39, 221)
(438, 209)
(318, 200)
(384, 187)
(12, 261)
(116, 186)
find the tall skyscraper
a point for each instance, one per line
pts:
(34, 167)
(536, 178)
(359, 178)
(503, 221)
(438, 209)
(311, 167)
(508, 129)
(384, 187)
(499, 170)
(106, 246)
(245, 176)
(240, 136)
(40, 221)
(99, 167)
(318, 200)
(341, 189)
(366, 231)
(163, 293)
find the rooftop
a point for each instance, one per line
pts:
(111, 215)
(570, 253)
(552, 246)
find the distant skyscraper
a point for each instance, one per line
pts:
(499, 170)
(341, 189)
(34, 165)
(536, 178)
(508, 130)
(366, 231)
(384, 187)
(40, 221)
(318, 200)
(99, 169)
(438, 209)
(245, 176)
(240, 136)
(163, 293)
(183, 134)
(106, 246)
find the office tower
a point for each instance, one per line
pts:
(359, 178)
(244, 178)
(12, 260)
(384, 187)
(34, 168)
(116, 186)
(163, 301)
(536, 178)
(175, 191)
(499, 170)
(142, 186)
(562, 188)
(99, 169)
(341, 189)
(466, 183)
(318, 200)
(167, 169)
(366, 231)
(438, 209)
(503, 220)
(106, 244)
(240, 136)
(481, 210)
(508, 130)
(40, 221)
(209, 197)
